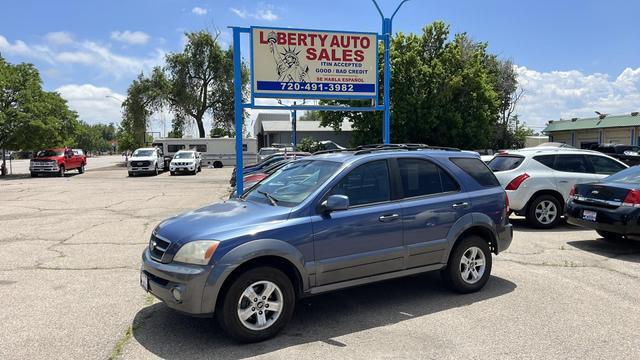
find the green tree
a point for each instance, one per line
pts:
(193, 83)
(308, 145)
(311, 115)
(31, 118)
(443, 92)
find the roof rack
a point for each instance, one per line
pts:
(366, 149)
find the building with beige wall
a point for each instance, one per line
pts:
(583, 133)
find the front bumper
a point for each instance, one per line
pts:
(44, 168)
(190, 280)
(504, 238)
(141, 169)
(623, 220)
(180, 168)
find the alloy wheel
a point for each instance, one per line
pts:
(260, 305)
(472, 265)
(546, 212)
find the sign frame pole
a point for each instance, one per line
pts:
(238, 108)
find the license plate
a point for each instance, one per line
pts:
(589, 215)
(144, 281)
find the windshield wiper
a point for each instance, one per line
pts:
(271, 199)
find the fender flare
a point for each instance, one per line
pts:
(225, 266)
(465, 223)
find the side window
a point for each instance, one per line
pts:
(174, 148)
(572, 163)
(477, 170)
(605, 166)
(546, 160)
(367, 184)
(421, 177)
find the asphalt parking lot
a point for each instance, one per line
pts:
(69, 282)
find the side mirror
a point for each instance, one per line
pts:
(336, 203)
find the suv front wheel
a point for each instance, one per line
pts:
(544, 212)
(469, 265)
(257, 305)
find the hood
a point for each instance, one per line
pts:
(183, 160)
(44, 158)
(220, 221)
(142, 158)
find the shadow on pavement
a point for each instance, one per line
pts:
(171, 335)
(625, 250)
(520, 224)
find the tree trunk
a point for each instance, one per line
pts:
(200, 127)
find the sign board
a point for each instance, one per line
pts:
(313, 64)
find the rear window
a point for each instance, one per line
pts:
(505, 163)
(477, 170)
(421, 177)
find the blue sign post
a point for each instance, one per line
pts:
(310, 64)
(386, 33)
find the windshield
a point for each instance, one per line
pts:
(142, 153)
(47, 153)
(505, 163)
(264, 152)
(627, 176)
(183, 155)
(293, 183)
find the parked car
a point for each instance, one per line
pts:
(266, 151)
(252, 179)
(628, 154)
(8, 155)
(56, 161)
(185, 161)
(538, 181)
(270, 159)
(146, 161)
(610, 206)
(328, 222)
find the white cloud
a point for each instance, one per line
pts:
(17, 48)
(59, 38)
(241, 13)
(94, 104)
(85, 53)
(130, 37)
(566, 94)
(263, 12)
(199, 11)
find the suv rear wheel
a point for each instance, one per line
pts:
(257, 305)
(544, 212)
(469, 265)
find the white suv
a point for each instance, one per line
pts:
(185, 161)
(538, 180)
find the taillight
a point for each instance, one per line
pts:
(515, 183)
(572, 192)
(632, 199)
(506, 203)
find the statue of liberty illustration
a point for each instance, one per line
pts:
(287, 62)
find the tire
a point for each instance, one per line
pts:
(81, 169)
(217, 165)
(61, 171)
(172, 173)
(544, 212)
(609, 236)
(34, 174)
(234, 300)
(156, 172)
(199, 168)
(130, 174)
(457, 277)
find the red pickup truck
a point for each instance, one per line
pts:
(57, 161)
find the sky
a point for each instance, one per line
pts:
(573, 57)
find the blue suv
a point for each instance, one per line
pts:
(328, 222)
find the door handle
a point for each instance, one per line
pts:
(387, 218)
(460, 205)
(563, 181)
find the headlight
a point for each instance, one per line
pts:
(197, 252)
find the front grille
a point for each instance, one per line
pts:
(183, 163)
(157, 247)
(140, 163)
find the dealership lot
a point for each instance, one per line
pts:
(69, 279)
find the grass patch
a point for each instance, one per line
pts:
(119, 348)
